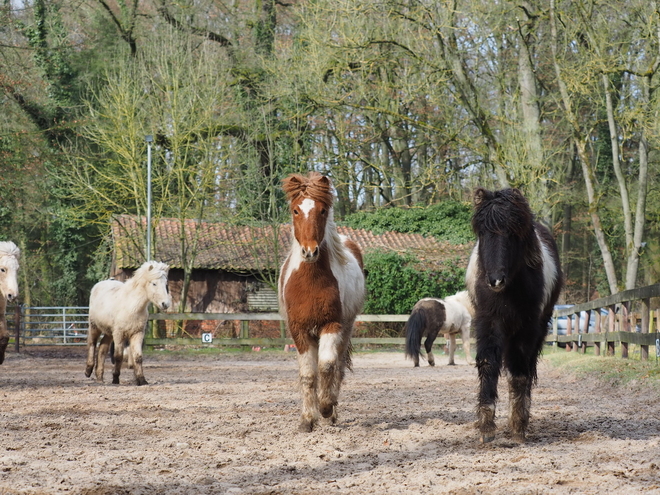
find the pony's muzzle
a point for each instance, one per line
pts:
(11, 295)
(496, 282)
(309, 255)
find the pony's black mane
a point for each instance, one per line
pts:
(504, 212)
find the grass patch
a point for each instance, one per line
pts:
(611, 370)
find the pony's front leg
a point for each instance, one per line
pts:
(489, 362)
(135, 352)
(308, 368)
(522, 370)
(101, 353)
(333, 345)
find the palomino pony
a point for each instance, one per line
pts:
(431, 316)
(514, 279)
(118, 311)
(321, 291)
(9, 255)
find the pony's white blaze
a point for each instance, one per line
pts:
(549, 273)
(307, 205)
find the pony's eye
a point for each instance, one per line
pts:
(323, 211)
(295, 212)
(3, 270)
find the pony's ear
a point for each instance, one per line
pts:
(292, 183)
(481, 195)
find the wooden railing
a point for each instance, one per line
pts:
(618, 326)
(244, 338)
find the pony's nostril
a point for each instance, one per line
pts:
(316, 251)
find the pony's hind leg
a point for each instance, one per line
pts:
(92, 338)
(119, 358)
(135, 355)
(332, 362)
(428, 346)
(452, 348)
(100, 356)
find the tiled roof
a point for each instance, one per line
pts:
(248, 249)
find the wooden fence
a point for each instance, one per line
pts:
(619, 326)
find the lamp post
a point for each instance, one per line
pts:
(149, 139)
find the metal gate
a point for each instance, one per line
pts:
(54, 325)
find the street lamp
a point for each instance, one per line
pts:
(149, 139)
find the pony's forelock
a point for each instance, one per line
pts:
(315, 186)
(151, 270)
(504, 212)
(8, 248)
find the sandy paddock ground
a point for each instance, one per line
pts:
(228, 424)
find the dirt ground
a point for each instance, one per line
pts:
(227, 424)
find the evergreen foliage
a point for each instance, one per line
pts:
(395, 282)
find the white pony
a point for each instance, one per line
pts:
(430, 316)
(9, 255)
(118, 310)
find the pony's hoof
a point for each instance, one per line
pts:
(416, 365)
(451, 364)
(431, 363)
(88, 372)
(115, 380)
(486, 438)
(519, 437)
(306, 426)
(141, 381)
(328, 411)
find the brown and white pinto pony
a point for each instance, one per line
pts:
(431, 316)
(514, 279)
(9, 255)
(321, 291)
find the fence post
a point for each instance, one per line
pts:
(585, 330)
(644, 353)
(625, 327)
(610, 326)
(17, 327)
(597, 330)
(569, 331)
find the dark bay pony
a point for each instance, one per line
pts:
(514, 279)
(431, 316)
(321, 291)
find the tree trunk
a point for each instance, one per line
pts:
(587, 170)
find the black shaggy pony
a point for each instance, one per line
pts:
(514, 279)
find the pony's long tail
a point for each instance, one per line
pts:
(414, 329)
